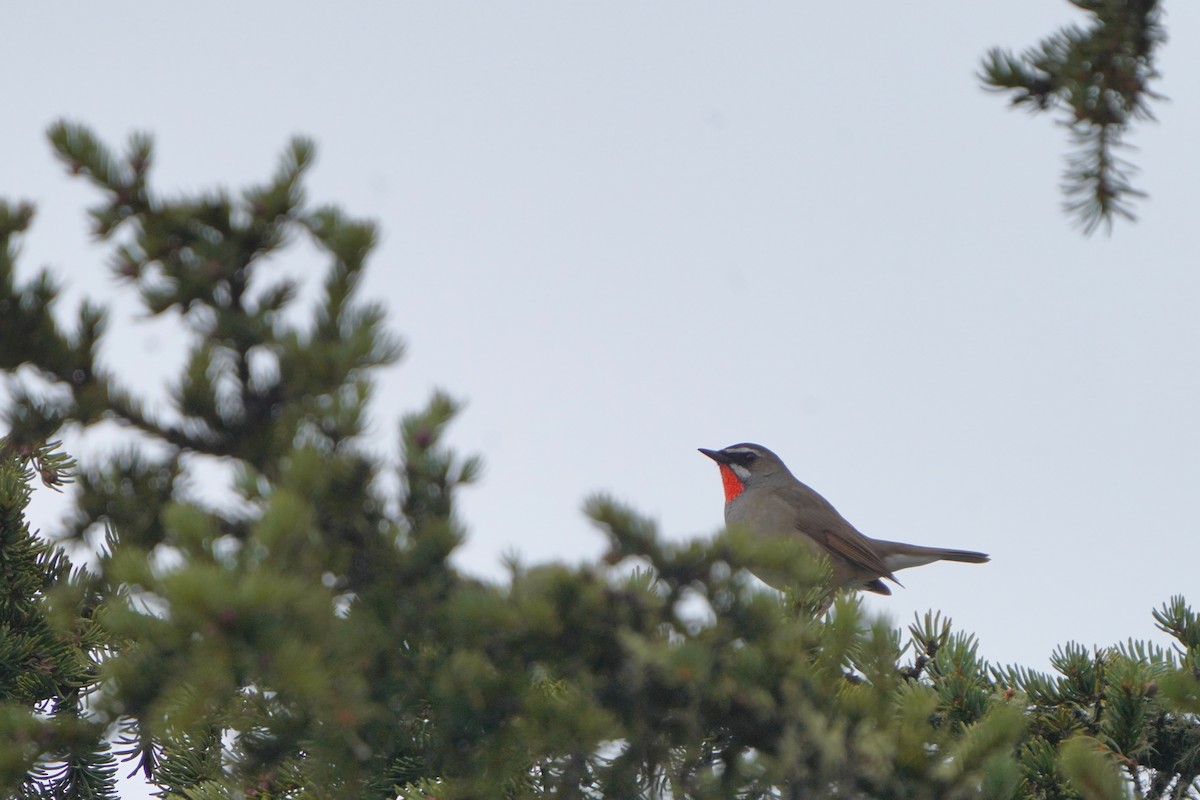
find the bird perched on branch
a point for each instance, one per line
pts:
(763, 497)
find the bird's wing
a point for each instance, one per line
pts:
(855, 548)
(817, 519)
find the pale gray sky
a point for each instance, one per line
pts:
(623, 231)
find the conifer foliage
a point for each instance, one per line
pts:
(1099, 76)
(51, 644)
(311, 637)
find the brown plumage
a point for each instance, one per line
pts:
(763, 496)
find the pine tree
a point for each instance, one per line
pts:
(312, 639)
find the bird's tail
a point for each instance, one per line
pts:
(898, 555)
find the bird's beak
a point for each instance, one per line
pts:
(715, 455)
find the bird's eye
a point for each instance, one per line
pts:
(749, 458)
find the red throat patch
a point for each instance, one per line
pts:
(732, 483)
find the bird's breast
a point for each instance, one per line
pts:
(762, 513)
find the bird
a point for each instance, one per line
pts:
(763, 497)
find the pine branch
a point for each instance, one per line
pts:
(50, 647)
(1099, 79)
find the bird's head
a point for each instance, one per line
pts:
(745, 465)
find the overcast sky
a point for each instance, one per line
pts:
(622, 231)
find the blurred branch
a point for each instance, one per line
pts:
(1098, 78)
